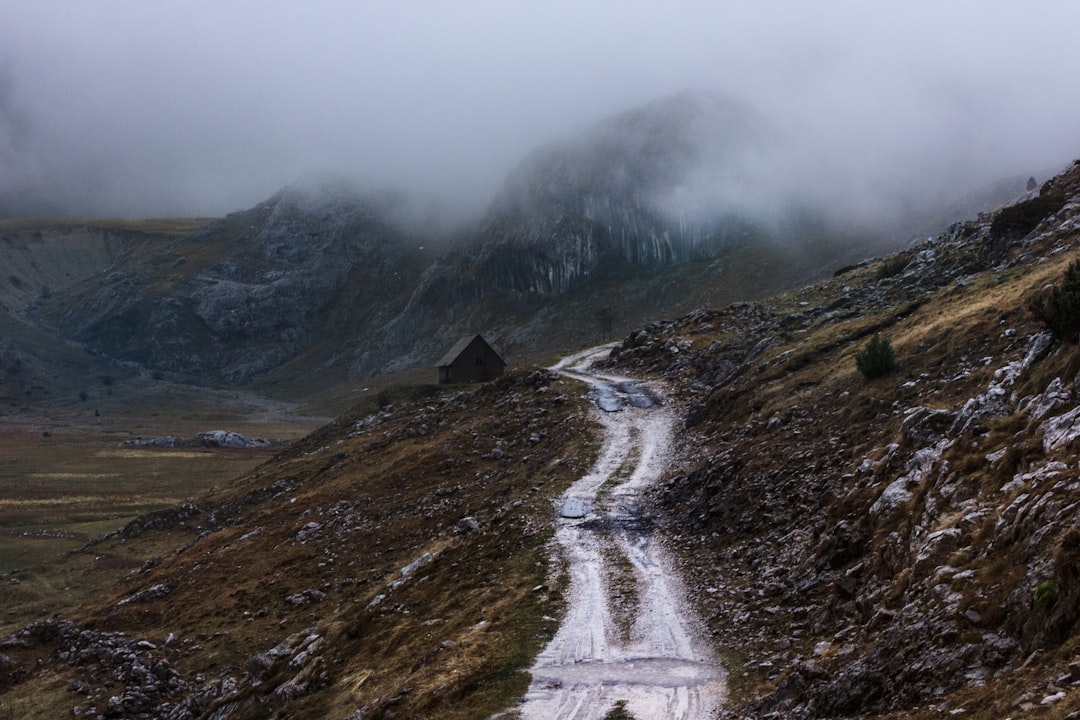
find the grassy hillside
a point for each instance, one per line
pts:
(394, 561)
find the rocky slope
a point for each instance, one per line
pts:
(658, 184)
(905, 546)
(46, 261)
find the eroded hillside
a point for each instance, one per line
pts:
(46, 260)
(905, 546)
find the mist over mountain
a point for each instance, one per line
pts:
(666, 182)
(692, 199)
(644, 213)
(188, 110)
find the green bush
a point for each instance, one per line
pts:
(1045, 592)
(619, 712)
(1018, 220)
(1060, 308)
(877, 358)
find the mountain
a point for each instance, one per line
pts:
(901, 546)
(659, 184)
(682, 202)
(244, 294)
(48, 261)
(647, 213)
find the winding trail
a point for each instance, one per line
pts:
(646, 657)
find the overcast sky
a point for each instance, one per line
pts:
(145, 108)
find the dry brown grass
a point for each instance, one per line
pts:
(786, 439)
(454, 641)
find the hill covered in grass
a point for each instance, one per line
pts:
(392, 564)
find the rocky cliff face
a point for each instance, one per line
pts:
(665, 183)
(905, 546)
(243, 294)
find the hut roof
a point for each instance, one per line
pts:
(459, 347)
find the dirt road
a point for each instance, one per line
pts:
(640, 651)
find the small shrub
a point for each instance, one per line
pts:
(1018, 220)
(844, 270)
(1060, 308)
(892, 267)
(619, 712)
(877, 358)
(1045, 592)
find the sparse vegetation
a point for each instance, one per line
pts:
(794, 442)
(1018, 220)
(877, 359)
(1045, 592)
(892, 267)
(59, 492)
(618, 711)
(1060, 308)
(622, 587)
(382, 498)
(844, 270)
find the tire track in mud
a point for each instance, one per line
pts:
(659, 669)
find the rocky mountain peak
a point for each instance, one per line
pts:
(639, 156)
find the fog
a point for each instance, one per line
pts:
(129, 108)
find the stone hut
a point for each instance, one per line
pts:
(471, 359)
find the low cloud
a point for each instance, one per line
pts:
(176, 108)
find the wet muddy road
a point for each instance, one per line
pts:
(641, 651)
